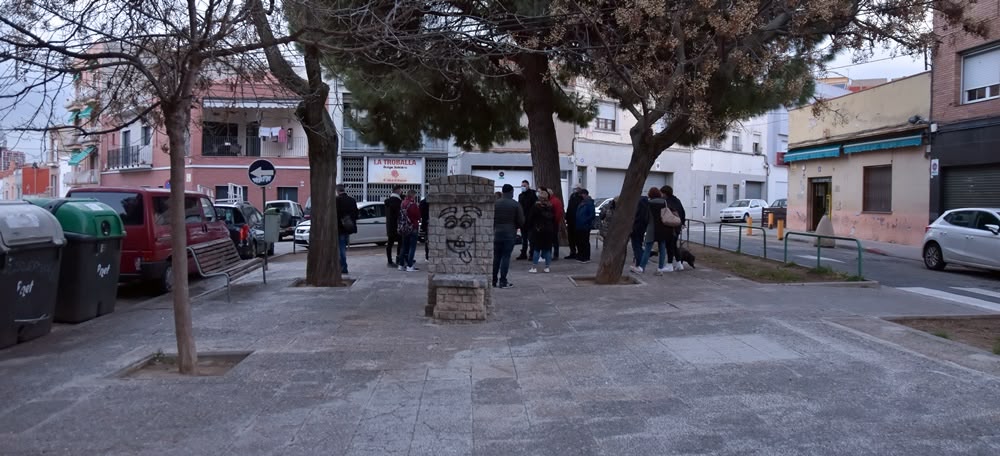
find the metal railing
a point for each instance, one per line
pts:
(704, 231)
(132, 157)
(739, 237)
(819, 247)
(253, 146)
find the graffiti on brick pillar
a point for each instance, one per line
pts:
(460, 231)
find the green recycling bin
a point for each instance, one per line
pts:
(88, 285)
(31, 243)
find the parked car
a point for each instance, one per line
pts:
(291, 214)
(969, 237)
(740, 210)
(146, 250)
(780, 203)
(371, 226)
(778, 207)
(246, 227)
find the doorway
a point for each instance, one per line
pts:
(705, 199)
(820, 200)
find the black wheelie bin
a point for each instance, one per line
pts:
(31, 243)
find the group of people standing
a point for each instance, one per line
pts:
(405, 218)
(649, 228)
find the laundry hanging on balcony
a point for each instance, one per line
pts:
(269, 133)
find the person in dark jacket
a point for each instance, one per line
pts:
(571, 206)
(527, 200)
(541, 227)
(409, 213)
(657, 232)
(585, 217)
(425, 218)
(392, 204)
(347, 209)
(507, 218)
(675, 205)
(639, 225)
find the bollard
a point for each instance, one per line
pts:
(749, 226)
(770, 220)
(781, 229)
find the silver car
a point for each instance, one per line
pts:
(969, 237)
(371, 226)
(742, 209)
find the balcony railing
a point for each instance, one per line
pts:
(132, 157)
(253, 146)
(81, 177)
(353, 143)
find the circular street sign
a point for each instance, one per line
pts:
(261, 173)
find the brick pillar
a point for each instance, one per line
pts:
(460, 240)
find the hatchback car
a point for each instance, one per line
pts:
(371, 226)
(969, 237)
(742, 209)
(246, 227)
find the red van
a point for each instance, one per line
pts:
(146, 250)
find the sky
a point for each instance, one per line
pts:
(33, 144)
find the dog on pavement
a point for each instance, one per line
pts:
(686, 256)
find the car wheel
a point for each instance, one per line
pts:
(746, 218)
(932, 257)
(167, 280)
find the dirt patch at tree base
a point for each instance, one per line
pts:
(160, 365)
(301, 283)
(591, 281)
(762, 270)
(979, 331)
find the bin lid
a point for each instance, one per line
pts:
(86, 216)
(24, 224)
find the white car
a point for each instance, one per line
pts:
(969, 237)
(739, 210)
(371, 226)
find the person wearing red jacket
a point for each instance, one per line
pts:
(409, 230)
(560, 213)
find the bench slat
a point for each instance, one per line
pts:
(221, 257)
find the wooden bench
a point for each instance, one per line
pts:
(220, 258)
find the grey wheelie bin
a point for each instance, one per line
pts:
(31, 242)
(88, 277)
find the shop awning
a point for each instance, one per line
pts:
(812, 153)
(79, 156)
(72, 117)
(892, 143)
(86, 112)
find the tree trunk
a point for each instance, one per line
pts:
(323, 261)
(176, 121)
(609, 269)
(539, 106)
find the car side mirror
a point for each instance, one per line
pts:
(995, 229)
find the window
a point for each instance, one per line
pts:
(960, 218)
(877, 192)
(368, 212)
(126, 138)
(717, 142)
(737, 143)
(720, 194)
(147, 135)
(208, 210)
(222, 193)
(757, 149)
(981, 76)
(606, 116)
(128, 205)
(986, 218)
(288, 193)
(736, 190)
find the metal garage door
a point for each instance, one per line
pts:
(656, 180)
(609, 183)
(969, 186)
(755, 190)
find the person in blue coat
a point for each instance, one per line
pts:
(584, 219)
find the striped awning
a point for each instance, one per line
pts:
(86, 112)
(812, 153)
(891, 143)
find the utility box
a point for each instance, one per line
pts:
(272, 226)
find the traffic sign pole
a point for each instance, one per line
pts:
(262, 174)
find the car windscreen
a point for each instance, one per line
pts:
(230, 215)
(740, 203)
(128, 205)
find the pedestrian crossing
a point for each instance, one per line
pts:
(962, 295)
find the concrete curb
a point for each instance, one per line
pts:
(858, 284)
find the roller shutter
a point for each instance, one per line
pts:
(971, 186)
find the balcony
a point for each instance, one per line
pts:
(353, 143)
(81, 177)
(130, 158)
(253, 146)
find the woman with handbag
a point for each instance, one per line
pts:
(657, 231)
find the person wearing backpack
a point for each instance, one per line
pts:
(541, 226)
(657, 231)
(409, 230)
(347, 223)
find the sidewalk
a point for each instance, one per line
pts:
(694, 362)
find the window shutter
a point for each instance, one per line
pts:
(981, 70)
(606, 111)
